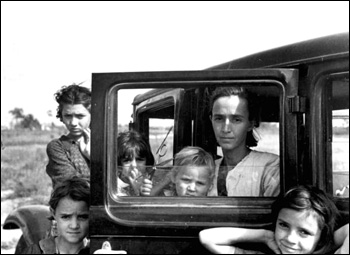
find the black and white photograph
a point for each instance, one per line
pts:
(195, 127)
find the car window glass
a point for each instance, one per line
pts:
(340, 138)
(156, 114)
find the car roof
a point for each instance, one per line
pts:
(322, 48)
(326, 47)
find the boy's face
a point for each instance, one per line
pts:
(72, 220)
(192, 181)
(297, 232)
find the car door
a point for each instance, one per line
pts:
(136, 224)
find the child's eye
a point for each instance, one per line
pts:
(126, 160)
(304, 233)
(283, 225)
(65, 217)
(185, 180)
(83, 217)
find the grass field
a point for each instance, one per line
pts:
(23, 164)
(24, 159)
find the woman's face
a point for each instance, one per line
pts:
(192, 181)
(297, 232)
(76, 118)
(230, 120)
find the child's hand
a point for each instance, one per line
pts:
(84, 143)
(133, 175)
(146, 187)
(132, 179)
(270, 241)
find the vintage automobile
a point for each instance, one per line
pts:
(303, 93)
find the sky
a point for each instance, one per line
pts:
(45, 45)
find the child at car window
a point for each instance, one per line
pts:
(304, 220)
(192, 175)
(69, 205)
(134, 155)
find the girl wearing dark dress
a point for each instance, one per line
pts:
(69, 155)
(69, 206)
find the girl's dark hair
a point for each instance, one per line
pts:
(72, 94)
(78, 189)
(251, 140)
(308, 198)
(131, 144)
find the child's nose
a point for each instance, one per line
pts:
(292, 237)
(74, 223)
(133, 163)
(74, 121)
(192, 186)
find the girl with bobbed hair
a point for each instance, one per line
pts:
(304, 222)
(69, 206)
(307, 200)
(134, 156)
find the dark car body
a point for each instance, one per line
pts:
(311, 80)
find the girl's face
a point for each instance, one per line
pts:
(72, 221)
(133, 167)
(192, 181)
(230, 120)
(297, 232)
(76, 118)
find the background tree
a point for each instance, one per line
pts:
(17, 114)
(30, 122)
(24, 121)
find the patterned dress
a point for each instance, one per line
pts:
(48, 246)
(66, 160)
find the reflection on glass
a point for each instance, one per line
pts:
(161, 137)
(340, 152)
(340, 136)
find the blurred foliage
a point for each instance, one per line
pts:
(24, 120)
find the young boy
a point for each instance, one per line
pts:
(304, 221)
(192, 175)
(69, 205)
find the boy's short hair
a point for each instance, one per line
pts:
(303, 198)
(78, 189)
(194, 156)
